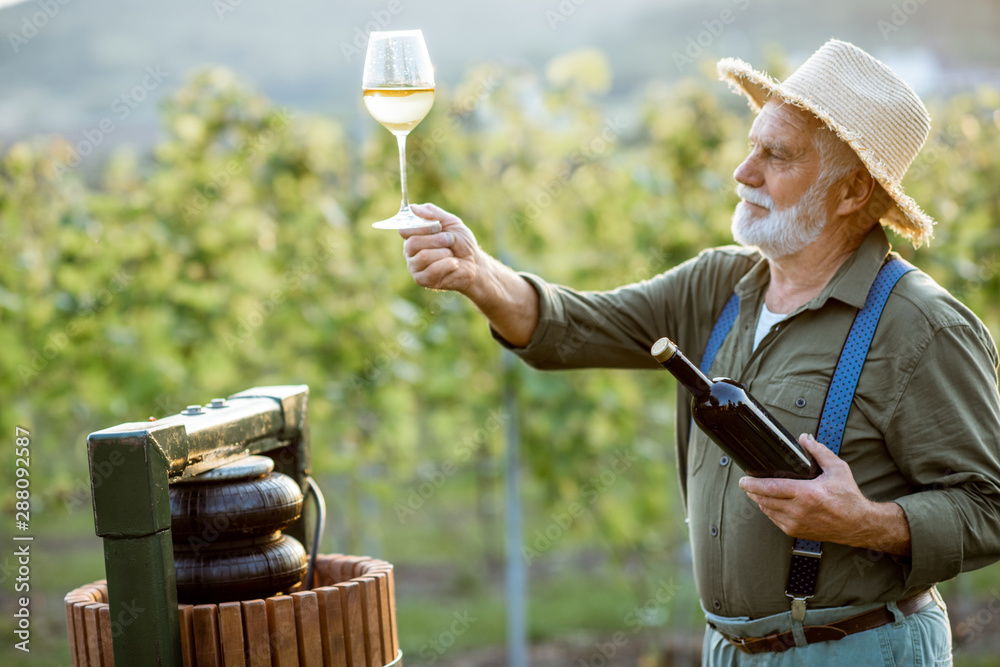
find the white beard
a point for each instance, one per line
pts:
(784, 231)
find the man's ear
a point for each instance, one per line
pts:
(857, 188)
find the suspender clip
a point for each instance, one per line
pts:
(799, 607)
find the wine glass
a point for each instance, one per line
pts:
(398, 88)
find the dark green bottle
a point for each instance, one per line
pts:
(736, 422)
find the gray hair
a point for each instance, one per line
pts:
(837, 159)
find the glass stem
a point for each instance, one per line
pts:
(404, 205)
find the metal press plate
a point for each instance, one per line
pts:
(250, 467)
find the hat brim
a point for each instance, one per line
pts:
(904, 217)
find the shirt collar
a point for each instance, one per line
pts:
(849, 284)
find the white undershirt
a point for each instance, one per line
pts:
(764, 323)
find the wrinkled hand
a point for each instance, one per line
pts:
(829, 508)
(442, 256)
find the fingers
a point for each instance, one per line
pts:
(433, 212)
(420, 231)
(770, 487)
(425, 258)
(442, 274)
(427, 241)
(441, 255)
(831, 464)
(788, 488)
(819, 451)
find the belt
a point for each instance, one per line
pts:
(830, 632)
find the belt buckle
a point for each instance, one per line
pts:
(739, 642)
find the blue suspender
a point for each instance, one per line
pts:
(719, 332)
(804, 567)
(852, 357)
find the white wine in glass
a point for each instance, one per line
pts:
(398, 89)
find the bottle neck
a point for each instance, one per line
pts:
(688, 374)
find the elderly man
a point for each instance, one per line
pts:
(841, 567)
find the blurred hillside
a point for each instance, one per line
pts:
(66, 66)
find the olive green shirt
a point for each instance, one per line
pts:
(923, 430)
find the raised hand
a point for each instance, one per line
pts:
(446, 256)
(443, 256)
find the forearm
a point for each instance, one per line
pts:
(507, 300)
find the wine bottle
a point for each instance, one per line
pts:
(736, 422)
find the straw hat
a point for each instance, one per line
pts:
(866, 104)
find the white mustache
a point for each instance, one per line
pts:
(754, 196)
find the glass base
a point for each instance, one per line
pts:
(405, 219)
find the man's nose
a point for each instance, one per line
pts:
(748, 173)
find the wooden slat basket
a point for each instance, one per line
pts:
(347, 620)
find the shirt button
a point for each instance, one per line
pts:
(714, 531)
(716, 605)
(724, 461)
(800, 402)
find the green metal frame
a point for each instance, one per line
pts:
(131, 467)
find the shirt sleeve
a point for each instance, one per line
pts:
(945, 437)
(616, 328)
(595, 329)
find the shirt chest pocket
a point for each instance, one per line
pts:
(794, 402)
